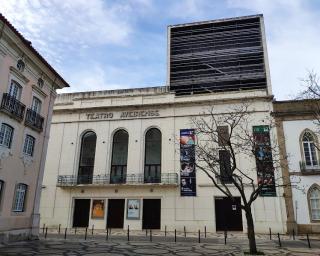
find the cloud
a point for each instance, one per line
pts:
(58, 26)
(292, 41)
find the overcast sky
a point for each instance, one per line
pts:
(104, 44)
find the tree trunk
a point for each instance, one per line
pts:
(251, 233)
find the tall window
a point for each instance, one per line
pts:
(36, 105)
(314, 197)
(28, 146)
(20, 198)
(119, 157)
(15, 90)
(152, 160)
(225, 166)
(87, 155)
(6, 134)
(309, 150)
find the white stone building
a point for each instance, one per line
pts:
(114, 157)
(298, 134)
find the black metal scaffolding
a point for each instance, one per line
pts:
(217, 56)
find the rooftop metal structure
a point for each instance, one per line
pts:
(218, 55)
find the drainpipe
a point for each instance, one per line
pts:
(36, 201)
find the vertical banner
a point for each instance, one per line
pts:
(187, 163)
(264, 163)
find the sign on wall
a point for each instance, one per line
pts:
(133, 209)
(264, 163)
(187, 163)
(97, 209)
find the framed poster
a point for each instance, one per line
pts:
(133, 209)
(97, 209)
(187, 163)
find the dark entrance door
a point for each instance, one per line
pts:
(115, 213)
(81, 212)
(228, 214)
(151, 214)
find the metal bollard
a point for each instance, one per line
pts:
(128, 234)
(92, 229)
(293, 234)
(59, 229)
(107, 236)
(184, 229)
(165, 230)
(205, 231)
(199, 236)
(150, 235)
(44, 226)
(75, 230)
(45, 235)
(279, 240)
(85, 233)
(146, 232)
(225, 237)
(175, 235)
(65, 233)
(270, 233)
(309, 245)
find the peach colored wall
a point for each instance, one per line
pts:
(14, 167)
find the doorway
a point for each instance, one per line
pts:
(228, 214)
(115, 213)
(81, 213)
(151, 214)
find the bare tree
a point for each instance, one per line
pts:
(232, 159)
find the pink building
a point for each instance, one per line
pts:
(27, 92)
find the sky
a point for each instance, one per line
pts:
(104, 44)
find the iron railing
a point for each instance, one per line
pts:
(12, 106)
(34, 120)
(74, 180)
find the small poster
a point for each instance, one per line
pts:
(97, 209)
(133, 209)
(187, 163)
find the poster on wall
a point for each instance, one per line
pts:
(187, 163)
(97, 209)
(133, 209)
(264, 163)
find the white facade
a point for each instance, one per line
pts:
(302, 181)
(76, 113)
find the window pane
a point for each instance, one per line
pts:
(6, 133)
(20, 197)
(315, 203)
(153, 147)
(313, 154)
(120, 148)
(307, 153)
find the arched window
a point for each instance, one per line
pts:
(309, 149)
(119, 157)
(152, 159)
(314, 202)
(87, 154)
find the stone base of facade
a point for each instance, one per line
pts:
(313, 228)
(17, 235)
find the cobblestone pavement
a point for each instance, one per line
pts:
(74, 246)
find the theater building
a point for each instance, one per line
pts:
(120, 157)
(27, 91)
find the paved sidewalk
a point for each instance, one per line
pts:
(118, 246)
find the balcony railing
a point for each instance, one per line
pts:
(130, 179)
(34, 120)
(12, 106)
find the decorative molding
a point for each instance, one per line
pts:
(39, 91)
(26, 161)
(18, 74)
(4, 153)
